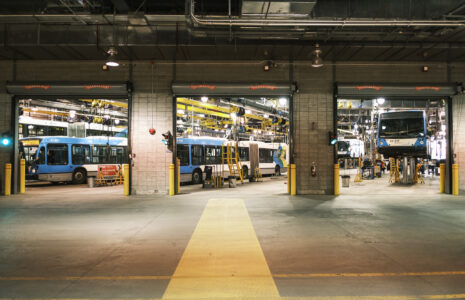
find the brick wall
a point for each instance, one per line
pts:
(313, 105)
(458, 146)
(313, 118)
(5, 117)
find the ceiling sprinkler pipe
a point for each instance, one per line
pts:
(321, 23)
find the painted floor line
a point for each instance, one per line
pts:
(223, 258)
(388, 274)
(167, 277)
(71, 278)
(377, 297)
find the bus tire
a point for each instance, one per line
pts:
(79, 176)
(197, 176)
(277, 171)
(245, 172)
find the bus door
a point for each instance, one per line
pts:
(35, 162)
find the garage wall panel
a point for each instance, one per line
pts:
(392, 72)
(152, 159)
(458, 146)
(313, 118)
(5, 117)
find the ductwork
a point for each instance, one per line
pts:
(260, 22)
(260, 107)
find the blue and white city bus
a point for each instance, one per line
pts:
(402, 134)
(64, 159)
(197, 152)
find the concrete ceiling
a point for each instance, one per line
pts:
(84, 29)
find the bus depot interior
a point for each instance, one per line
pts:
(229, 141)
(391, 145)
(73, 142)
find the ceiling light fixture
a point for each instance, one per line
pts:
(317, 61)
(380, 101)
(267, 66)
(111, 61)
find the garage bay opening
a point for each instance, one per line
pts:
(229, 141)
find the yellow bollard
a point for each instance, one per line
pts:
(126, 179)
(442, 178)
(171, 178)
(455, 179)
(336, 179)
(293, 180)
(179, 175)
(22, 176)
(7, 179)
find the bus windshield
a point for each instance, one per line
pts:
(29, 149)
(401, 128)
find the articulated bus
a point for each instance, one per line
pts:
(402, 134)
(66, 159)
(196, 153)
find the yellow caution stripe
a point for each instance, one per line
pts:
(223, 258)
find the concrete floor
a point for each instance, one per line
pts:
(75, 242)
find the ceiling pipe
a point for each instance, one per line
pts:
(198, 21)
(258, 106)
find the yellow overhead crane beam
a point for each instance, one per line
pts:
(115, 103)
(56, 113)
(217, 108)
(202, 111)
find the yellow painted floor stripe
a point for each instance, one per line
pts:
(404, 297)
(223, 258)
(393, 274)
(167, 277)
(65, 278)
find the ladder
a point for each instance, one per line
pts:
(232, 160)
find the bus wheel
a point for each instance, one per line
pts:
(197, 177)
(245, 172)
(79, 176)
(277, 171)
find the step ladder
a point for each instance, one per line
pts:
(230, 157)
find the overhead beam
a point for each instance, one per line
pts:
(120, 5)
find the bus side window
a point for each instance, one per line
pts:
(80, 154)
(198, 157)
(218, 155)
(210, 155)
(57, 154)
(182, 151)
(99, 155)
(244, 153)
(41, 156)
(117, 155)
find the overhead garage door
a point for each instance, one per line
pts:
(233, 89)
(397, 90)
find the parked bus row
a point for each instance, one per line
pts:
(64, 159)
(196, 153)
(68, 159)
